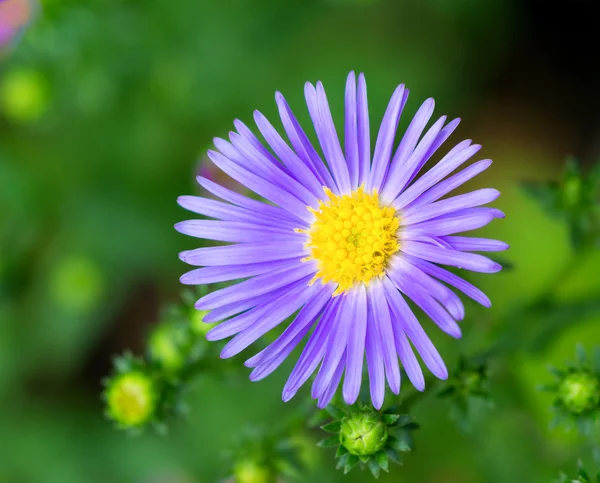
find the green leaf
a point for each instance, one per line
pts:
(390, 419)
(333, 427)
(328, 442)
(398, 444)
(393, 455)
(342, 461)
(334, 411)
(341, 451)
(374, 467)
(350, 463)
(382, 460)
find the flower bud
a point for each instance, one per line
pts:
(368, 437)
(24, 95)
(249, 471)
(579, 392)
(131, 398)
(363, 433)
(169, 345)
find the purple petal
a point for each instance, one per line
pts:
(433, 310)
(227, 212)
(327, 135)
(446, 186)
(471, 244)
(301, 144)
(402, 174)
(364, 135)
(235, 231)
(399, 171)
(445, 276)
(414, 331)
(295, 165)
(327, 396)
(355, 351)
(287, 304)
(262, 168)
(242, 253)
(401, 271)
(374, 360)
(455, 157)
(262, 187)
(444, 207)
(248, 203)
(407, 356)
(253, 316)
(439, 140)
(465, 220)
(350, 131)
(336, 345)
(224, 273)
(468, 261)
(381, 314)
(234, 308)
(385, 138)
(258, 285)
(312, 353)
(299, 327)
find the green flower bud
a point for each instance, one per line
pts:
(24, 95)
(76, 284)
(131, 398)
(363, 433)
(250, 471)
(169, 345)
(579, 392)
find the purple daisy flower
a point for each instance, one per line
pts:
(338, 247)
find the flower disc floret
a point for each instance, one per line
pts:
(352, 238)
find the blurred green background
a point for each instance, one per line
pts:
(106, 109)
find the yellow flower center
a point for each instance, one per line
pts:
(352, 238)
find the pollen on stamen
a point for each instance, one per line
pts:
(352, 238)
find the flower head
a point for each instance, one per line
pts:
(338, 246)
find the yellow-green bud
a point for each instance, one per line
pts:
(76, 284)
(23, 95)
(249, 471)
(131, 399)
(363, 433)
(580, 392)
(168, 345)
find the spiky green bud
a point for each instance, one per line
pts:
(363, 433)
(368, 437)
(580, 392)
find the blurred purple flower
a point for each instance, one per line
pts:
(14, 16)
